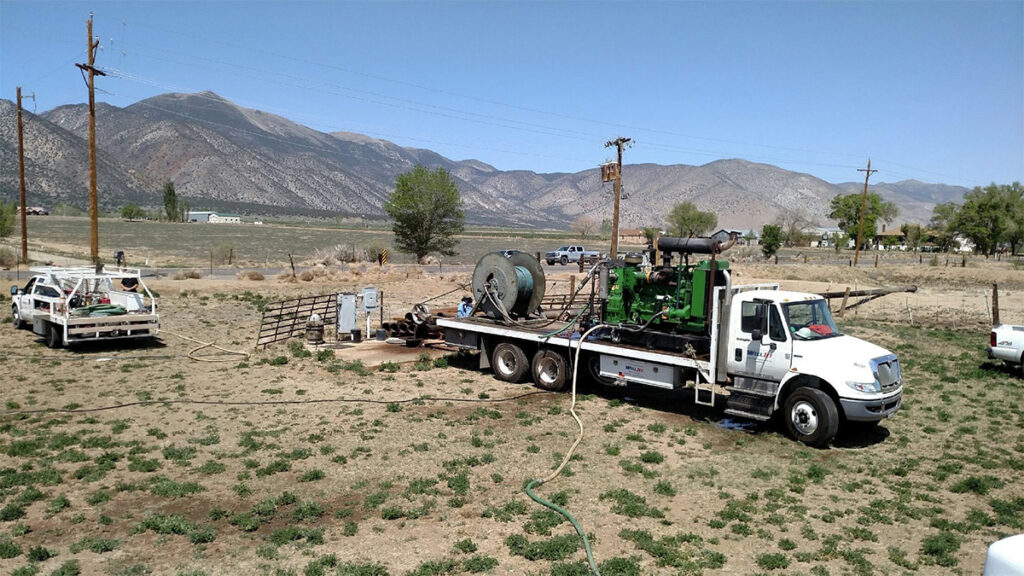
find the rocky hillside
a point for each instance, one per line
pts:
(221, 155)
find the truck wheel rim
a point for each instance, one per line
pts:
(548, 372)
(507, 362)
(14, 315)
(804, 418)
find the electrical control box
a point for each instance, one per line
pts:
(347, 312)
(369, 298)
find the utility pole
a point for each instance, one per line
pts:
(21, 180)
(863, 206)
(619, 142)
(94, 238)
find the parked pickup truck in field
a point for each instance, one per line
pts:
(567, 254)
(1006, 343)
(71, 305)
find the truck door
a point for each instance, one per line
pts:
(760, 346)
(25, 301)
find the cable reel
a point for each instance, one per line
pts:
(507, 287)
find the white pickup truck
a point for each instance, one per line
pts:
(1006, 343)
(72, 305)
(571, 253)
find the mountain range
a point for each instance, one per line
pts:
(222, 156)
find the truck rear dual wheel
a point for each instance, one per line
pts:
(509, 362)
(54, 337)
(811, 417)
(550, 370)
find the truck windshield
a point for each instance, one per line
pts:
(810, 320)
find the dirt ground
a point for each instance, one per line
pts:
(143, 460)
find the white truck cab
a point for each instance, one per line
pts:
(784, 352)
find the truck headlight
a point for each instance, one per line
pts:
(866, 387)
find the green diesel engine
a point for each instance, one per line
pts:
(668, 306)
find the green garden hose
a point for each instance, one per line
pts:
(575, 524)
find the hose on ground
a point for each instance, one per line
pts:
(568, 456)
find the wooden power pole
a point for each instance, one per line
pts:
(21, 180)
(94, 237)
(863, 207)
(619, 142)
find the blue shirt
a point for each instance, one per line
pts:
(465, 308)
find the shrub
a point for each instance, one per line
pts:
(249, 275)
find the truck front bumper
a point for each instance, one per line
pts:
(871, 410)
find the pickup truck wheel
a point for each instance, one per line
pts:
(550, 262)
(550, 370)
(563, 260)
(54, 336)
(509, 362)
(16, 320)
(811, 417)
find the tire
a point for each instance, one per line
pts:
(54, 336)
(550, 262)
(550, 370)
(592, 362)
(811, 417)
(509, 362)
(16, 320)
(563, 260)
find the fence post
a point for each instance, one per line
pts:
(846, 296)
(995, 304)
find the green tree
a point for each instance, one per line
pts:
(171, 208)
(941, 224)
(651, 234)
(912, 234)
(1015, 225)
(986, 216)
(685, 220)
(426, 211)
(133, 212)
(7, 213)
(771, 239)
(846, 211)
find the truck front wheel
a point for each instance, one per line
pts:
(563, 260)
(811, 417)
(54, 336)
(16, 318)
(550, 370)
(509, 362)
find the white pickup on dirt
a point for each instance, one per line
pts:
(1006, 343)
(566, 254)
(777, 354)
(73, 305)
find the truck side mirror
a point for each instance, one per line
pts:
(14, 290)
(757, 335)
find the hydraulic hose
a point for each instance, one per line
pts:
(575, 524)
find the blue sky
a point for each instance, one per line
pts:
(928, 90)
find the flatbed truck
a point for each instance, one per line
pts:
(771, 353)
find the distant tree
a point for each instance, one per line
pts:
(584, 226)
(890, 242)
(426, 211)
(685, 220)
(793, 223)
(651, 234)
(1015, 225)
(62, 209)
(986, 216)
(839, 241)
(912, 234)
(182, 211)
(846, 211)
(941, 224)
(7, 213)
(133, 212)
(606, 228)
(171, 208)
(750, 237)
(771, 239)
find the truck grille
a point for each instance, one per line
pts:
(887, 372)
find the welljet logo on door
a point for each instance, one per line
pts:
(757, 353)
